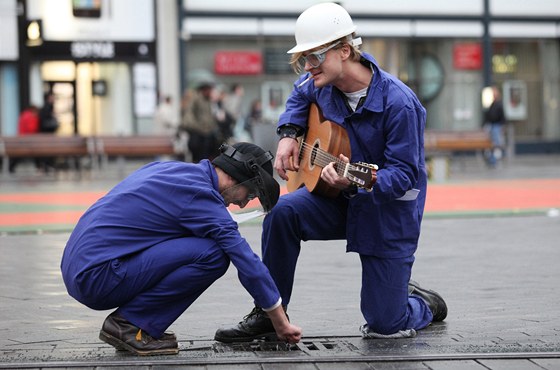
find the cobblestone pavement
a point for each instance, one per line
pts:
(498, 274)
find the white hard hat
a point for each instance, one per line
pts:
(321, 24)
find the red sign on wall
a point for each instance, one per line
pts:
(467, 56)
(238, 63)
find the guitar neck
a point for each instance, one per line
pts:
(360, 174)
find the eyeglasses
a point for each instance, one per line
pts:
(316, 58)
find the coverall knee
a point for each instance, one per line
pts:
(158, 284)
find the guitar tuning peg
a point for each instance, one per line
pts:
(369, 165)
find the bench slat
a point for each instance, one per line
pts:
(102, 147)
(43, 145)
(134, 146)
(456, 141)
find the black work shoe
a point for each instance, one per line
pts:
(256, 325)
(434, 300)
(123, 335)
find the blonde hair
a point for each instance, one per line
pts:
(355, 53)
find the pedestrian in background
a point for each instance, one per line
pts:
(165, 122)
(28, 124)
(495, 119)
(200, 124)
(225, 120)
(48, 124)
(254, 118)
(233, 104)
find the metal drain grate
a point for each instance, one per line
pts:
(259, 346)
(304, 346)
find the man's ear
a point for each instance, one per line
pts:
(345, 51)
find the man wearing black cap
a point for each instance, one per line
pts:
(161, 237)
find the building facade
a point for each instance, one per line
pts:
(97, 57)
(9, 56)
(108, 60)
(446, 51)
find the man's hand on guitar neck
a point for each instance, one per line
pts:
(287, 157)
(331, 176)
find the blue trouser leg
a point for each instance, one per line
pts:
(164, 280)
(298, 216)
(385, 303)
(497, 141)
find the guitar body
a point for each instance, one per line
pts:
(321, 136)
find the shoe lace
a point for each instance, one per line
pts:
(254, 312)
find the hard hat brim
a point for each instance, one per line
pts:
(312, 45)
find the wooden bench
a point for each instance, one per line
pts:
(44, 146)
(456, 141)
(440, 146)
(99, 149)
(134, 146)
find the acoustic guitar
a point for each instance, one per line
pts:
(321, 145)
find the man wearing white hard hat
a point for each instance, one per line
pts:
(384, 121)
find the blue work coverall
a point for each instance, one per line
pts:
(383, 226)
(155, 242)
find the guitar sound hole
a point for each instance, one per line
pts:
(313, 155)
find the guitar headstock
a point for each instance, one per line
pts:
(363, 175)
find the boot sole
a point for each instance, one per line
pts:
(122, 346)
(268, 337)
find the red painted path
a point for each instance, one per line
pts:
(48, 210)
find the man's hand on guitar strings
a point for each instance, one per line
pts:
(287, 157)
(330, 175)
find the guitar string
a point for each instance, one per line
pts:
(323, 158)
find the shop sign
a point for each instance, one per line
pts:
(93, 50)
(238, 63)
(101, 50)
(467, 56)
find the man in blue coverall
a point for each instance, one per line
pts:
(153, 244)
(385, 125)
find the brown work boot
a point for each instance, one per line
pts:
(168, 335)
(123, 335)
